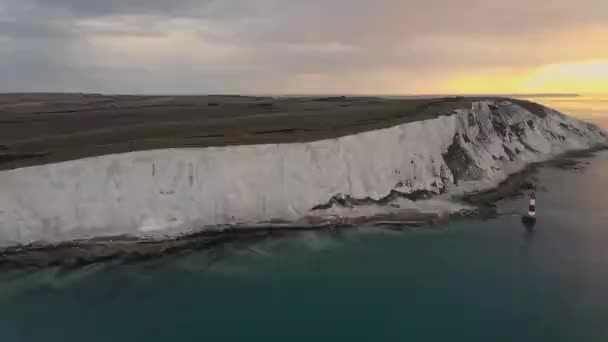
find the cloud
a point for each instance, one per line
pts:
(286, 46)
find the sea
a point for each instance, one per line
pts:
(590, 107)
(468, 280)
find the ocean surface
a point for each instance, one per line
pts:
(466, 281)
(469, 280)
(592, 108)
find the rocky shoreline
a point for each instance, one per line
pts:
(423, 170)
(126, 249)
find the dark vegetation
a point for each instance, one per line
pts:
(531, 107)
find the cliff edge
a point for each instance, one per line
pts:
(417, 165)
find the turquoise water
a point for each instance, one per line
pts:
(468, 281)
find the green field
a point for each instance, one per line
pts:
(44, 128)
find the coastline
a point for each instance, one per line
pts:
(125, 249)
(442, 164)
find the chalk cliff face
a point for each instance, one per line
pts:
(179, 190)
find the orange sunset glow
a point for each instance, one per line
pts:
(577, 77)
(295, 47)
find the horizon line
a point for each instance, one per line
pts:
(540, 94)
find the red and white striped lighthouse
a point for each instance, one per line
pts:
(532, 208)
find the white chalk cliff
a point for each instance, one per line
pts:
(174, 191)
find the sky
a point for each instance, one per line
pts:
(304, 47)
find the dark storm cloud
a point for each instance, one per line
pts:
(273, 42)
(27, 30)
(100, 8)
(345, 20)
(95, 8)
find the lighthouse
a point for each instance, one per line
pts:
(529, 220)
(532, 207)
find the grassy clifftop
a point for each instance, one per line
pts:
(44, 128)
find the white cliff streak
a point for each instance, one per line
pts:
(177, 190)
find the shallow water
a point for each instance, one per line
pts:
(469, 280)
